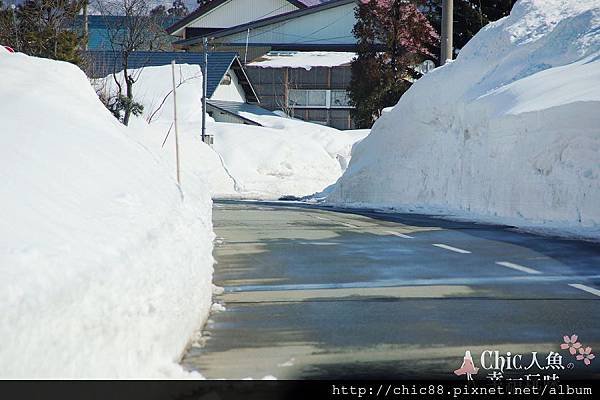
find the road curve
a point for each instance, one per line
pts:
(316, 293)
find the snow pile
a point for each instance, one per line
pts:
(106, 265)
(267, 163)
(508, 132)
(153, 89)
(304, 59)
(338, 144)
(283, 157)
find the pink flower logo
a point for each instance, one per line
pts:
(572, 344)
(586, 355)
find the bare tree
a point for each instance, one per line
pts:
(284, 102)
(130, 28)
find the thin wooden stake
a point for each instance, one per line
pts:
(175, 121)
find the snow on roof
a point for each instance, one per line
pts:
(305, 59)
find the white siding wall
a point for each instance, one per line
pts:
(333, 25)
(233, 92)
(237, 12)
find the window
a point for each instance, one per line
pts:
(307, 98)
(226, 80)
(318, 98)
(297, 98)
(340, 98)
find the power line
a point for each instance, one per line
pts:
(327, 26)
(300, 37)
(269, 13)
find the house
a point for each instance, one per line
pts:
(220, 14)
(229, 90)
(322, 27)
(314, 33)
(311, 86)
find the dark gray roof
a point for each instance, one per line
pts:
(105, 62)
(236, 109)
(268, 21)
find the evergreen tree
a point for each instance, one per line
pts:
(45, 28)
(393, 37)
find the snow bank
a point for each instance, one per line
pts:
(508, 132)
(283, 157)
(304, 59)
(106, 265)
(153, 89)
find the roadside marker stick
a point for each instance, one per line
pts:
(175, 121)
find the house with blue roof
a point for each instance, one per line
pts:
(229, 90)
(297, 52)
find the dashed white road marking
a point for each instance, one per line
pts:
(402, 235)
(455, 249)
(341, 223)
(518, 267)
(585, 288)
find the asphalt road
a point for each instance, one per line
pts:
(317, 293)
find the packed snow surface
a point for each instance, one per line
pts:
(106, 264)
(282, 157)
(509, 132)
(304, 59)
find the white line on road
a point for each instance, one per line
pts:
(402, 235)
(518, 267)
(341, 223)
(585, 288)
(455, 249)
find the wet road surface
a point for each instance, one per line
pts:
(317, 293)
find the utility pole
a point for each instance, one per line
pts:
(204, 91)
(13, 8)
(447, 31)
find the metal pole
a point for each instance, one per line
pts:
(175, 121)
(447, 31)
(13, 7)
(246, 52)
(204, 85)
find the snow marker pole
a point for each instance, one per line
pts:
(447, 31)
(175, 121)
